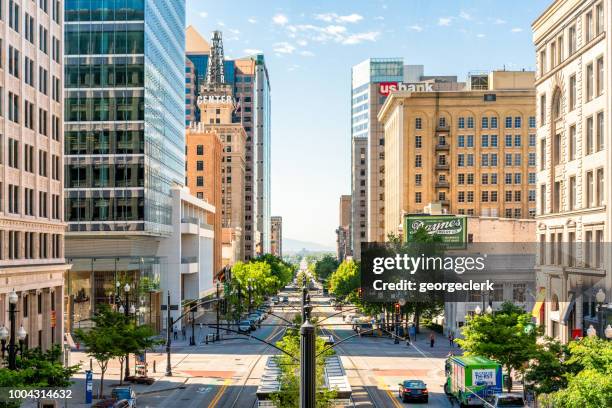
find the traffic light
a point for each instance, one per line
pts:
(397, 308)
(360, 293)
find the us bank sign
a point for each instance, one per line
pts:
(385, 88)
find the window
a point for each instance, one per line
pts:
(200, 181)
(484, 160)
(493, 159)
(542, 109)
(531, 178)
(542, 62)
(572, 193)
(442, 122)
(572, 142)
(470, 178)
(484, 141)
(13, 199)
(542, 154)
(588, 26)
(470, 196)
(517, 196)
(42, 163)
(508, 141)
(418, 123)
(460, 178)
(518, 122)
(470, 141)
(600, 187)
(557, 149)
(599, 19)
(493, 140)
(484, 196)
(572, 92)
(418, 161)
(484, 179)
(461, 123)
(418, 179)
(532, 159)
(532, 196)
(493, 196)
(508, 178)
(13, 153)
(418, 142)
(461, 196)
(517, 140)
(532, 122)
(600, 132)
(590, 199)
(508, 159)
(200, 150)
(493, 122)
(418, 197)
(571, 46)
(470, 122)
(484, 124)
(200, 165)
(461, 141)
(589, 82)
(600, 76)
(508, 122)
(493, 179)
(470, 160)
(13, 15)
(589, 135)
(508, 196)
(13, 61)
(517, 178)
(553, 54)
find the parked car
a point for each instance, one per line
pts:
(364, 329)
(413, 390)
(285, 299)
(349, 318)
(124, 394)
(257, 317)
(507, 400)
(275, 300)
(244, 326)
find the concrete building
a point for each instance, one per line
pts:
(249, 81)
(359, 208)
(472, 151)
(125, 139)
(191, 246)
(343, 232)
(372, 81)
(574, 156)
(510, 262)
(204, 152)
(32, 259)
(276, 237)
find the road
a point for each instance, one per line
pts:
(226, 374)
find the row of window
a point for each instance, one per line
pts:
(508, 212)
(486, 160)
(565, 44)
(554, 250)
(124, 175)
(13, 153)
(105, 209)
(593, 192)
(22, 245)
(104, 75)
(29, 204)
(486, 122)
(485, 196)
(104, 141)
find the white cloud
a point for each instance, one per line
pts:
(307, 53)
(293, 67)
(499, 21)
(280, 19)
(252, 20)
(516, 30)
(220, 23)
(465, 15)
(203, 14)
(444, 21)
(360, 37)
(379, 18)
(333, 17)
(416, 28)
(251, 51)
(283, 48)
(480, 35)
(302, 43)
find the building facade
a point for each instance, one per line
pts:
(250, 85)
(124, 127)
(372, 81)
(32, 259)
(276, 236)
(359, 168)
(471, 151)
(573, 98)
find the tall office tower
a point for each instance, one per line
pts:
(276, 236)
(573, 95)
(249, 81)
(32, 260)
(343, 232)
(359, 208)
(125, 141)
(215, 107)
(372, 81)
(471, 151)
(252, 90)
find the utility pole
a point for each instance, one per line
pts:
(168, 338)
(307, 365)
(192, 342)
(218, 306)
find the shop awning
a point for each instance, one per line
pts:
(540, 298)
(569, 308)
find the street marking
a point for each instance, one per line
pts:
(382, 386)
(219, 394)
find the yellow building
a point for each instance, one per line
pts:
(472, 151)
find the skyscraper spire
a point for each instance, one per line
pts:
(215, 74)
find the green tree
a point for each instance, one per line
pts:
(325, 266)
(507, 336)
(546, 370)
(344, 282)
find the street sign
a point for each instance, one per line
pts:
(88, 387)
(450, 228)
(172, 307)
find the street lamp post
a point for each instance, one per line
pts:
(12, 335)
(600, 297)
(192, 340)
(168, 338)
(218, 307)
(127, 309)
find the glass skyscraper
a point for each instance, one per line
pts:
(124, 113)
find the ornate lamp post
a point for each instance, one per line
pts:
(600, 297)
(13, 335)
(127, 309)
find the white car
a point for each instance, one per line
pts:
(507, 400)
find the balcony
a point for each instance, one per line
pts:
(189, 264)
(442, 184)
(442, 147)
(442, 166)
(189, 225)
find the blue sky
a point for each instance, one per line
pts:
(310, 47)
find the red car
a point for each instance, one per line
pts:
(413, 390)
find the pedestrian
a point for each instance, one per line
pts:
(184, 333)
(451, 339)
(175, 333)
(432, 339)
(412, 332)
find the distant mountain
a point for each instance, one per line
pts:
(294, 245)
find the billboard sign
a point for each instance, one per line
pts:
(450, 228)
(483, 376)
